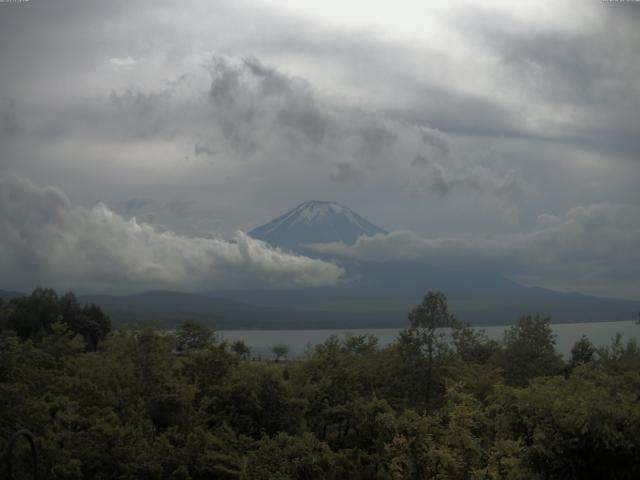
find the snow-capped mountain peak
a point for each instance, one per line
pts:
(315, 222)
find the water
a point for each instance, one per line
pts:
(300, 341)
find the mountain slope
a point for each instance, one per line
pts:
(315, 222)
(394, 287)
(169, 308)
(479, 298)
(7, 295)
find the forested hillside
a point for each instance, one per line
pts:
(439, 403)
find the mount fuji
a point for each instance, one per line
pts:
(393, 287)
(374, 294)
(315, 222)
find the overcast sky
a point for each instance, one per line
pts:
(502, 135)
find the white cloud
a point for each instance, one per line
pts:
(44, 238)
(123, 63)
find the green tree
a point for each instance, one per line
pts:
(207, 369)
(241, 349)
(582, 352)
(32, 317)
(287, 457)
(529, 351)
(426, 336)
(255, 400)
(365, 344)
(583, 426)
(473, 346)
(620, 357)
(92, 323)
(193, 336)
(280, 351)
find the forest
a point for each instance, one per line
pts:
(441, 402)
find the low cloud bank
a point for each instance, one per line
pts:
(590, 248)
(46, 239)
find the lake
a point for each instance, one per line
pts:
(299, 341)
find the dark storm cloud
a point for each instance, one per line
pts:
(586, 70)
(584, 66)
(248, 94)
(256, 105)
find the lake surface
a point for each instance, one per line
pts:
(300, 341)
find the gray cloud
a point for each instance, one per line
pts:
(477, 179)
(251, 99)
(133, 204)
(435, 139)
(140, 114)
(9, 123)
(138, 102)
(94, 247)
(187, 216)
(420, 160)
(576, 75)
(376, 137)
(458, 113)
(129, 100)
(592, 248)
(303, 115)
(203, 149)
(345, 172)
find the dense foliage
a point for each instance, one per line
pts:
(442, 402)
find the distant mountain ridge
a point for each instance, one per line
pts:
(170, 308)
(479, 299)
(315, 222)
(373, 295)
(7, 295)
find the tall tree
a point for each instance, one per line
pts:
(582, 352)
(193, 336)
(529, 351)
(241, 349)
(425, 335)
(280, 351)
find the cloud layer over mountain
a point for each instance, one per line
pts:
(44, 238)
(584, 248)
